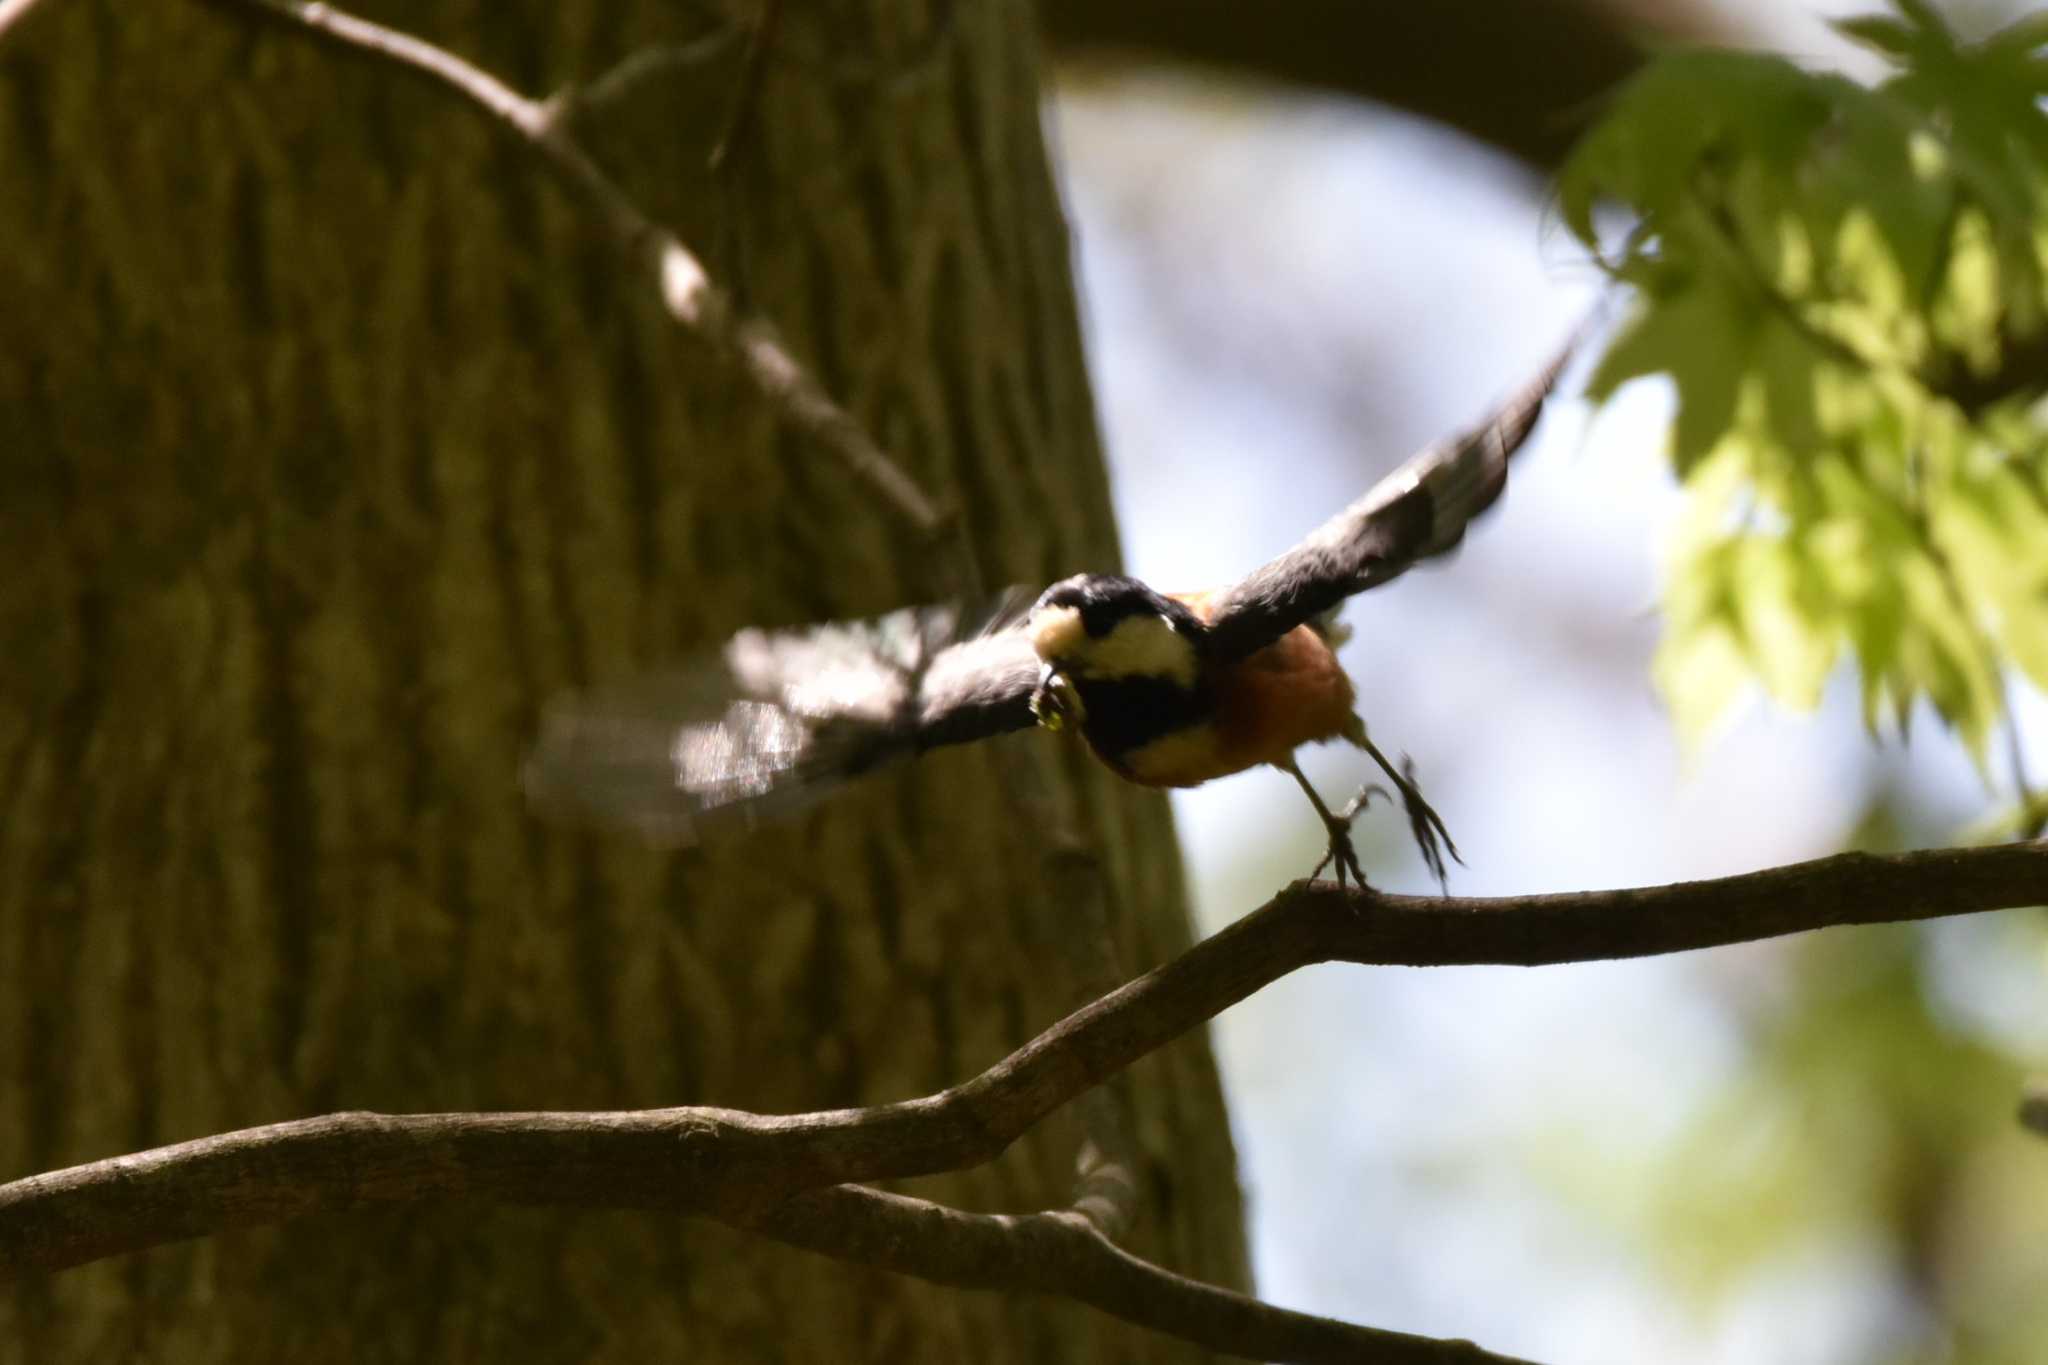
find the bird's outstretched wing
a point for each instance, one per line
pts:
(777, 720)
(1419, 510)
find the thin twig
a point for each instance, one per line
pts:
(572, 102)
(686, 290)
(729, 1163)
(739, 119)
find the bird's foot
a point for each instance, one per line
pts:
(1426, 825)
(1341, 856)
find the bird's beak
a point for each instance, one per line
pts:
(1054, 701)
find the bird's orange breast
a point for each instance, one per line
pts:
(1266, 705)
(1292, 692)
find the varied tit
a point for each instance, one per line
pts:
(1167, 690)
(1136, 672)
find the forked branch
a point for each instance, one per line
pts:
(745, 1168)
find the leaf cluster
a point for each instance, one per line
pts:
(1848, 286)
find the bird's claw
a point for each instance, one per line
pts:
(1341, 857)
(1426, 825)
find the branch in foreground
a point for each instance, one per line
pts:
(731, 1164)
(686, 290)
(1062, 1254)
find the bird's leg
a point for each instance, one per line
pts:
(1340, 852)
(1423, 821)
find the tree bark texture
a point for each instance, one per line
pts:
(336, 439)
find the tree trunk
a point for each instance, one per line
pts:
(337, 440)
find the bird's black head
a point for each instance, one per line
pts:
(1101, 602)
(1096, 630)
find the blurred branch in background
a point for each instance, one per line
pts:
(692, 299)
(1523, 75)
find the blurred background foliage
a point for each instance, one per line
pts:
(1845, 283)
(1830, 248)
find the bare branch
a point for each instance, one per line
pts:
(13, 12)
(1063, 1254)
(728, 1163)
(686, 290)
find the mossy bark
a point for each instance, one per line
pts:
(336, 439)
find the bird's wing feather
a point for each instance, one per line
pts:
(1419, 510)
(777, 720)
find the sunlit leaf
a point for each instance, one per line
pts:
(1884, 170)
(1878, 32)
(1677, 111)
(1788, 634)
(1927, 19)
(2019, 39)
(1701, 339)
(1944, 657)
(1789, 364)
(1966, 314)
(1995, 531)
(1848, 289)
(1700, 673)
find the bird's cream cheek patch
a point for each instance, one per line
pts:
(1057, 633)
(1143, 646)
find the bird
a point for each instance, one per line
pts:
(1166, 689)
